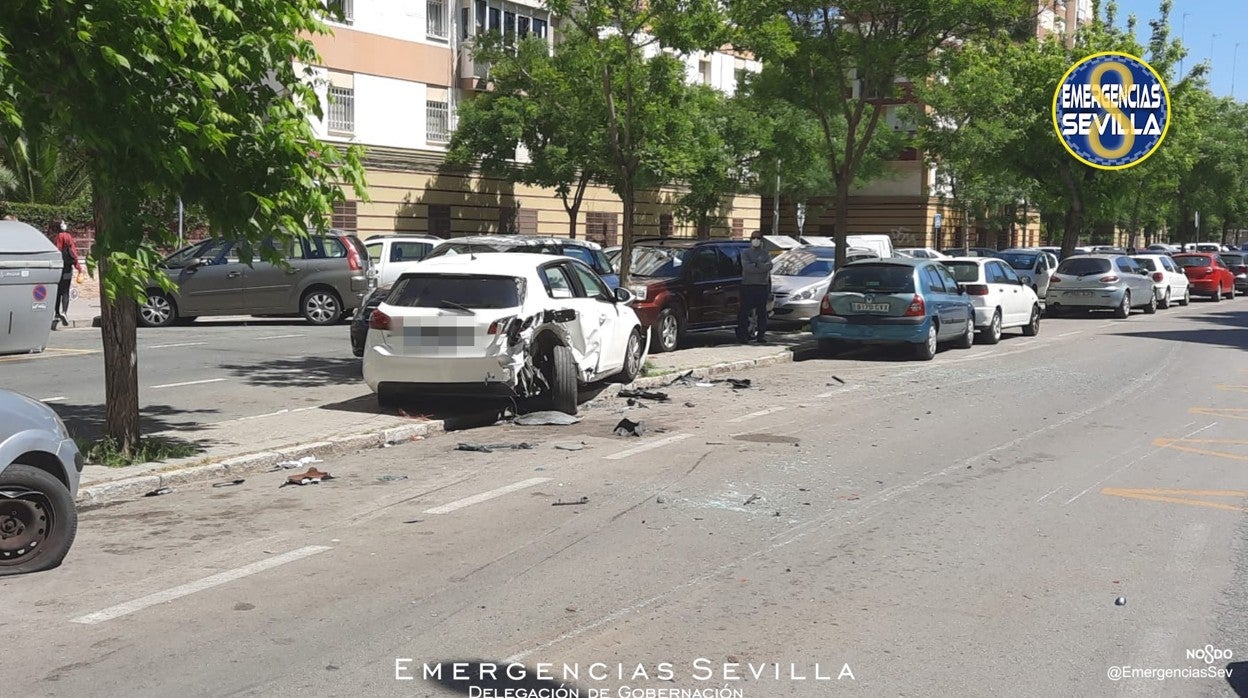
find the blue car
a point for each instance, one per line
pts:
(895, 301)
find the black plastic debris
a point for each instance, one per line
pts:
(628, 427)
(391, 478)
(545, 418)
(159, 492)
(739, 383)
(1120, 601)
(490, 448)
(644, 394)
(685, 378)
(561, 503)
(838, 380)
(637, 403)
(753, 498)
(230, 483)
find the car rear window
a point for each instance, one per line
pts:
(874, 278)
(1192, 261)
(1082, 266)
(1232, 260)
(963, 272)
(447, 290)
(1024, 261)
(1145, 263)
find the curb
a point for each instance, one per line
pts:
(264, 461)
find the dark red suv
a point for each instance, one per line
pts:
(685, 286)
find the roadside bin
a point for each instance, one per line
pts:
(30, 267)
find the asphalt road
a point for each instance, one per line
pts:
(959, 527)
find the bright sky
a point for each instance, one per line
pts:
(1213, 28)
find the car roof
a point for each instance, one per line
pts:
(1099, 255)
(492, 264)
(522, 241)
(894, 261)
(422, 237)
(684, 242)
(978, 260)
(1028, 250)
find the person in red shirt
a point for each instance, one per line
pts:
(69, 263)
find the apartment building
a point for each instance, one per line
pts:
(394, 74)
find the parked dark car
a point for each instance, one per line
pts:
(327, 278)
(1237, 262)
(587, 251)
(684, 286)
(972, 252)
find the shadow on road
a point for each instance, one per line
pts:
(476, 677)
(455, 414)
(300, 372)
(1236, 338)
(785, 337)
(1238, 319)
(86, 422)
(1237, 678)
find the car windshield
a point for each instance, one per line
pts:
(442, 290)
(182, 257)
(658, 261)
(808, 262)
(1083, 266)
(1192, 261)
(1025, 261)
(1145, 263)
(964, 272)
(874, 278)
(1232, 260)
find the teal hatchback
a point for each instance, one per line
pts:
(895, 301)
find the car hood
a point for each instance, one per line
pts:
(20, 413)
(652, 280)
(791, 284)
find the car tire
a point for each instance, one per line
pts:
(320, 306)
(387, 398)
(159, 311)
(1231, 296)
(926, 351)
(967, 340)
(1151, 308)
(992, 333)
(666, 334)
(1165, 300)
(633, 354)
(1032, 328)
(563, 388)
(1217, 294)
(1187, 297)
(1123, 311)
(37, 502)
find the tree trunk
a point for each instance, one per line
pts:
(1184, 217)
(118, 317)
(704, 227)
(574, 209)
(840, 230)
(1074, 214)
(627, 197)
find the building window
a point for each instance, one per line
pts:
(738, 228)
(440, 220)
(435, 20)
(341, 10)
(600, 227)
(437, 116)
(665, 225)
(341, 113)
(523, 26)
(539, 28)
(507, 220)
(526, 221)
(704, 68)
(344, 216)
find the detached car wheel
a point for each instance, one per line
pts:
(38, 520)
(563, 387)
(158, 311)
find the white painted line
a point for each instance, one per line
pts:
(752, 415)
(1054, 490)
(52, 399)
(179, 385)
(215, 580)
(1070, 334)
(181, 344)
(646, 447)
(281, 336)
(1137, 460)
(486, 496)
(268, 414)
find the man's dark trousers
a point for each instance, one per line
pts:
(753, 300)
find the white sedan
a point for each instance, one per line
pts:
(920, 253)
(502, 324)
(1170, 283)
(1000, 297)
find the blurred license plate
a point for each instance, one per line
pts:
(1082, 294)
(871, 307)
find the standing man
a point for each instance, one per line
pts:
(69, 264)
(755, 289)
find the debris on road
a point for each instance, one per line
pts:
(637, 403)
(660, 500)
(159, 492)
(391, 478)
(685, 378)
(690, 404)
(545, 418)
(1120, 601)
(571, 447)
(311, 477)
(561, 503)
(644, 394)
(627, 427)
(739, 383)
(838, 380)
(417, 417)
(704, 384)
(753, 498)
(230, 483)
(292, 464)
(414, 521)
(490, 448)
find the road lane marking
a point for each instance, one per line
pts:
(486, 496)
(1137, 460)
(1170, 443)
(52, 399)
(1051, 492)
(1233, 388)
(280, 336)
(268, 414)
(52, 353)
(1069, 334)
(179, 385)
(180, 344)
(1229, 413)
(1168, 496)
(647, 446)
(200, 585)
(752, 415)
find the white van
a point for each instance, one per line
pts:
(882, 245)
(394, 254)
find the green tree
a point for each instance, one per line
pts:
(47, 167)
(198, 98)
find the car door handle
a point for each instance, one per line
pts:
(233, 274)
(292, 271)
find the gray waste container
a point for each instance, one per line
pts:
(30, 267)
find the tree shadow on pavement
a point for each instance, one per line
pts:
(1237, 678)
(298, 372)
(455, 414)
(1229, 319)
(86, 422)
(476, 677)
(720, 338)
(1236, 338)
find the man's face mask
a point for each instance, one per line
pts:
(756, 242)
(64, 227)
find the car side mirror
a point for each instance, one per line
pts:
(624, 296)
(961, 291)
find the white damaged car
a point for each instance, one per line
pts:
(503, 324)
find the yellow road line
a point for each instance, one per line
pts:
(1233, 388)
(1228, 412)
(1179, 445)
(48, 354)
(1153, 495)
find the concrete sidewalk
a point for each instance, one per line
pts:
(236, 447)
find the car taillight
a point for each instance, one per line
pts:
(499, 325)
(354, 263)
(917, 307)
(1108, 279)
(1054, 279)
(976, 289)
(1158, 276)
(825, 308)
(378, 321)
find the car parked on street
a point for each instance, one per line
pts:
(40, 466)
(685, 285)
(1033, 265)
(325, 278)
(969, 252)
(1101, 282)
(1209, 276)
(920, 252)
(1237, 262)
(506, 324)
(906, 301)
(1002, 299)
(1170, 284)
(800, 278)
(1161, 248)
(392, 255)
(587, 251)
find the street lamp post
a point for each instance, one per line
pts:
(1234, 61)
(1211, 40)
(1182, 35)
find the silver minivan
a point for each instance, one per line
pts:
(326, 280)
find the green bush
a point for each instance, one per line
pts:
(78, 214)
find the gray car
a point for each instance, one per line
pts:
(39, 469)
(800, 279)
(1101, 282)
(326, 280)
